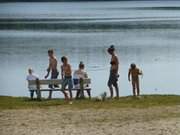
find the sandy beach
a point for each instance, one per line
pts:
(67, 121)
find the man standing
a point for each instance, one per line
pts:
(52, 68)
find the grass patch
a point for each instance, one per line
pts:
(124, 102)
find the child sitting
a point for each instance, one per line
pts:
(133, 76)
(79, 75)
(32, 76)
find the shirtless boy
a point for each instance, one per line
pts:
(52, 68)
(133, 76)
(66, 74)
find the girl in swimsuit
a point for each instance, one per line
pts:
(113, 77)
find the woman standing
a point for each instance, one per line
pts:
(113, 77)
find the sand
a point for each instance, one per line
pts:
(68, 121)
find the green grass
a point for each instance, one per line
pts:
(124, 102)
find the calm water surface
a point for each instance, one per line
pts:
(147, 33)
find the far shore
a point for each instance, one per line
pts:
(148, 115)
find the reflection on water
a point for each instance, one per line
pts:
(154, 49)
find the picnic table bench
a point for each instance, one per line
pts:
(41, 85)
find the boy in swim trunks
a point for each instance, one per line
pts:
(66, 74)
(133, 76)
(52, 68)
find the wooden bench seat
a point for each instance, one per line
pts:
(39, 86)
(58, 89)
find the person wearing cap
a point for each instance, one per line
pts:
(113, 77)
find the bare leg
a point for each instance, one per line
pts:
(111, 91)
(134, 88)
(65, 95)
(117, 90)
(138, 90)
(54, 75)
(70, 92)
(110, 83)
(64, 84)
(70, 86)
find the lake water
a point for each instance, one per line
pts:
(147, 33)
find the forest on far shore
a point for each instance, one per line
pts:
(67, 0)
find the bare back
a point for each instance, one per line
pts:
(134, 74)
(53, 63)
(114, 63)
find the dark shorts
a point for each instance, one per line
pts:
(113, 78)
(54, 74)
(76, 81)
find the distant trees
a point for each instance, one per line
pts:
(58, 0)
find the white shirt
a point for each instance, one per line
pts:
(79, 74)
(31, 77)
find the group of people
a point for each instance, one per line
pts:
(66, 75)
(80, 73)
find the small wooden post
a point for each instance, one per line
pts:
(81, 88)
(38, 89)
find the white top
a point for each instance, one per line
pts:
(31, 77)
(80, 74)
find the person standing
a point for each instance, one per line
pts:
(133, 76)
(52, 68)
(113, 77)
(66, 74)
